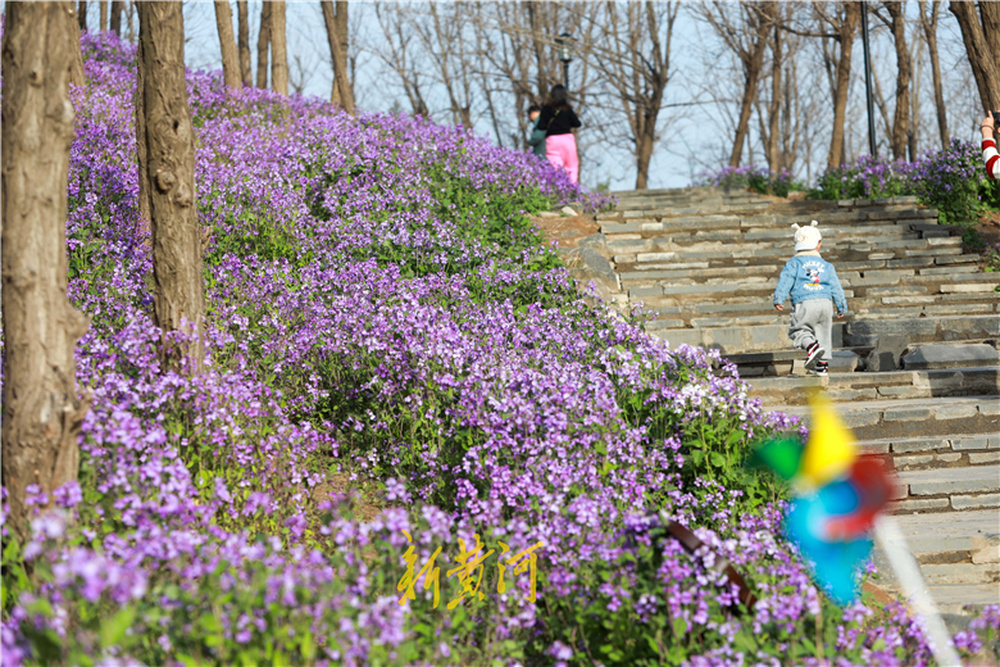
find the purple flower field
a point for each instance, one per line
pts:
(392, 347)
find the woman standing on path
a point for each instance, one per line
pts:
(559, 120)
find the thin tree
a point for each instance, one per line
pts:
(746, 37)
(230, 56)
(103, 20)
(335, 17)
(117, 7)
(81, 15)
(263, 42)
(929, 23)
(279, 53)
(982, 44)
(844, 21)
(177, 265)
(632, 54)
(243, 41)
(42, 411)
(900, 129)
(400, 54)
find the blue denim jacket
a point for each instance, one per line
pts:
(809, 276)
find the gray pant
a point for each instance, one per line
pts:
(812, 320)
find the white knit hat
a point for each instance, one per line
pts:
(807, 238)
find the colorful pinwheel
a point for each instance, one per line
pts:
(837, 497)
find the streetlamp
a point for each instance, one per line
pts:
(564, 49)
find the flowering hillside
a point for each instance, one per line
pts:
(396, 364)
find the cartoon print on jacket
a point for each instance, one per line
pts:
(814, 270)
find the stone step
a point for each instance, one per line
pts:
(956, 598)
(947, 483)
(657, 283)
(851, 387)
(961, 573)
(902, 418)
(630, 250)
(958, 554)
(954, 537)
(852, 333)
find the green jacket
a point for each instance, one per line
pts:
(537, 140)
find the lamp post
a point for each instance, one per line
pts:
(564, 49)
(868, 81)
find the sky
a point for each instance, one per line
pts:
(702, 98)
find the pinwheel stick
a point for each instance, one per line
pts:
(892, 542)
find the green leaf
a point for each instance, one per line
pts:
(680, 627)
(113, 629)
(717, 459)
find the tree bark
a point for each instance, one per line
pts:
(753, 62)
(981, 57)
(81, 15)
(230, 56)
(263, 42)
(279, 54)
(42, 411)
(76, 75)
(117, 6)
(243, 41)
(929, 25)
(847, 28)
(138, 98)
(177, 264)
(901, 115)
(103, 20)
(336, 28)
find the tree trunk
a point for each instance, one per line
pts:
(177, 265)
(751, 71)
(230, 56)
(103, 20)
(930, 36)
(901, 115)
(117, 6)
(243, 42)
(771, 145)
(982, 59)
(845, 36)
(263, 42)
(81, 15)
(279, 54)
(336, 27)
(140, 136)
(42, 412)
(76, 74)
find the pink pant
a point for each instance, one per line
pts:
(560, 149)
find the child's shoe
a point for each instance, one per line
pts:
(813, 355)
(822, 369)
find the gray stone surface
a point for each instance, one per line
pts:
(979, 501)
(950, 356)
(844, 361)
(597, 241)
(949, 481)
(888, 350)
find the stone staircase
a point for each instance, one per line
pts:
(915, 372)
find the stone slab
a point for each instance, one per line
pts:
(978, 501)
(950, 481)
(951, 356)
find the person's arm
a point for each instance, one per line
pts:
(990, 155)
(574, 121)
(839, 299)
(785, 282)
